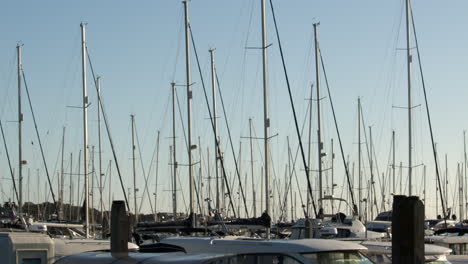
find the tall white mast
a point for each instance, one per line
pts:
(62, 178)
(20, 123)
(174, 159)
(85, 127)
(266, 118)
(359, 159)
(156, 180)
(101, 187)
(309, 158)
(254, 202)
(215, 123)
(393, 162)
(71, 185)
(464, 171)
(409, 60)
(189, 113)
(371, 186)
(319, 119)
(134, 169)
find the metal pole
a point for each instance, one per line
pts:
(332, 168)
(61, 198)
(78, 188)
(424, 193)
(174, 181)
(38, 196)
(189, 113)
(215, 124)
(371, 196)
(446, 181)
(209, 179)
(134, 169)
(200, 179)
(401, 177)
(71, 185)
(262, 179)
(110, 185)
(464, 171)
(240, 173)
(85, 127)
(100, 150)
(29, 200)
(460, 191)
(252, 169)
(266, 118)
(332, 174)
(393, 162)
(174, 159)
(319, 132)
(20, 123)
(359, 158)
(409, 59)
(93, 176)
(157, 174)
(309, 147)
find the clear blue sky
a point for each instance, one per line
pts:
(137, 48)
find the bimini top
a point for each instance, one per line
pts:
(238, 245)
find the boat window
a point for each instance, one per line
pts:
(345, 257)
(31, 261)
(257, 259)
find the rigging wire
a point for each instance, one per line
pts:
(9, 163)
(230, 142)
(38, 138)
(428, 114)
(293, 110)
(293, 170)
(218, 149)
(145, 176)
(111, 142)
(372, 187)
(339, 137)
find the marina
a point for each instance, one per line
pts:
(247, 132)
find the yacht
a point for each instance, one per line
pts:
(235, 250)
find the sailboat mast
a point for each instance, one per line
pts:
(85, 127)
(20, 125)
(371, 196)
(189, 114)
(62, 179)
(252, 169)
(309, 158)
(393, 161)
(266, 118)
(71, 185)
(215, 123)
(78, 193)
(174, 160)
(359, 158)
(110, 186)
(134, 169)
(460, 191)
(156, 180)
(100, 149)
(410, 128)
(464, 171)
(319, 120)
(424, 193)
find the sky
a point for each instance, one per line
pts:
(137, 47)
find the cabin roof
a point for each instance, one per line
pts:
(244, 245)
(160, 258)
